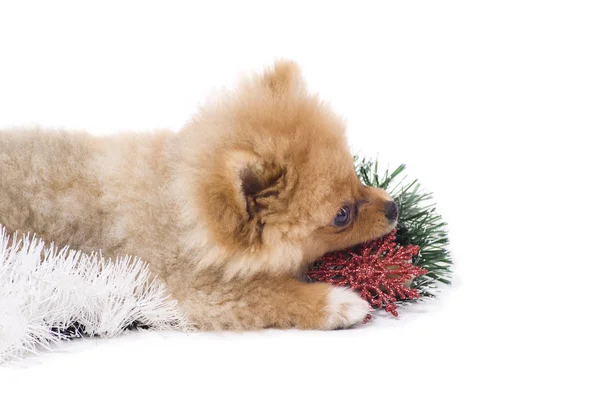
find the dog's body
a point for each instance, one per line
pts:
(227, 212)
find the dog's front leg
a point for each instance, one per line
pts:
(263, 301)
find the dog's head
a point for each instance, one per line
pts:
(274, 180)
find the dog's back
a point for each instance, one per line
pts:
(87, 192)
(42, 180)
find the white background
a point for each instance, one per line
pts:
(494, 106)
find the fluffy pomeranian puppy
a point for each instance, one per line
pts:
(228, 211)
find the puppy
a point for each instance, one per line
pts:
(228, 211)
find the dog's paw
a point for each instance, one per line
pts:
(344, 308)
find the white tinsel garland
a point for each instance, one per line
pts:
(49, 294)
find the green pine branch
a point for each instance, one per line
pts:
(418, 223)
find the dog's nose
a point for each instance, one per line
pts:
(391, 210)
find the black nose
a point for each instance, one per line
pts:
(391, 210)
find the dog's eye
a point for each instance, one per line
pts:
(342, 217)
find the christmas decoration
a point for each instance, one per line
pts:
(47, 295)
(408, 264)
(378, 270)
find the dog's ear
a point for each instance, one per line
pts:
(259, 181)
(282, 77)
(241, 195)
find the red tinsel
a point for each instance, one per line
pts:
(379, 270)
